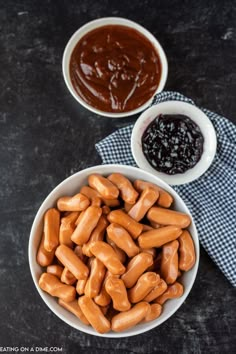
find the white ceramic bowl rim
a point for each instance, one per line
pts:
(195, 114)
(103, 22)
(71, 186)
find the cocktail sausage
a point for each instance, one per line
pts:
(94, 314)
(164, 216)
(122, 239)
(116, 289)
(136, 266)
(144, 285)
(103, 186)
(165, 199)
(78, 202)
(187, 257)
(107, 256)
(86, 225)
(158, 237)
(74, 308)
(52, 285)
(169, 262)
(127, 191)
(69, 259)
(146, 200)
(130, 318)
(120, 217)
(173, 291)
(51, 229)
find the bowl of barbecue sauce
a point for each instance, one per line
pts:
(113, 67)
(175, 141)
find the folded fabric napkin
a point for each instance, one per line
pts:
(211, 198)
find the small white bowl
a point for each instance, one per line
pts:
(71, 186)
(195, 114)
(100, 23)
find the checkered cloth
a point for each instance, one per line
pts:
(211, 198)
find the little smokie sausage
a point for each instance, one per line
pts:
(81, 214)
(92, 193)
(169, 262)
(52, 285)
(103, 298)
(86, 225)
(165, 199)
(136, 266)
(78, 250)
(69, 259)
(144, 285)
(107, 256)
(146, 200)
(130, 318)
(94, 282)
(164, 216)
(127, 191)
(173, 291)
(120, 217)
(67, 277)
(44, 258)
(103, 186)
(89, 192)
(80, 286)
(120, 253)
(158, 290)
(187, 257)
(65, 232)
(158, 237)
(74, 308)
(78, 202)
(96, 235)
(151, 251)
(55, 269)
(153, 313)
(96, 202)
(70, 218)
(116, 289)
(94, 314)
(67, 228)
(122, 239)
(51, 229)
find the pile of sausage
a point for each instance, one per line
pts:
(113, 252)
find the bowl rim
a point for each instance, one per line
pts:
(91, 25)
(107, 170)
(195, 114)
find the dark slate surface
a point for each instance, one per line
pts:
(46, 136)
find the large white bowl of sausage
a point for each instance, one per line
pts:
(118, 258)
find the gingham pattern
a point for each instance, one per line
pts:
(211, 198)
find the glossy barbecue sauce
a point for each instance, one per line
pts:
(115, 68)
(172, 143)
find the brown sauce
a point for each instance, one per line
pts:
(115, 69)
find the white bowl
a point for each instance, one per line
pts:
(100, 23)
(71, 186)
(195, 114)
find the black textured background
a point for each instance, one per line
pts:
(45, 136)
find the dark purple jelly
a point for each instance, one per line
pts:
(172, 143)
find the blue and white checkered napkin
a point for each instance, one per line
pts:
(211, 198)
